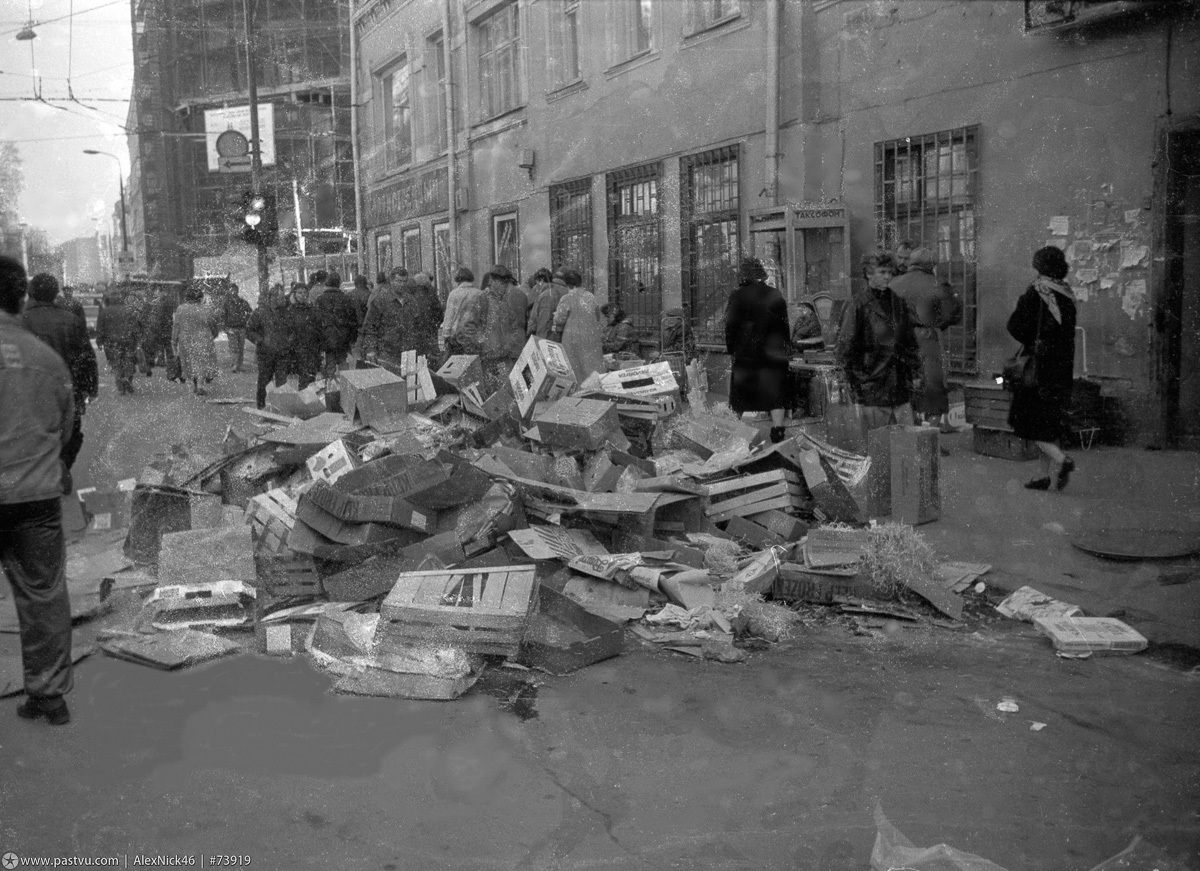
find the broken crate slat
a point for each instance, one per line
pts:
(760, 494)
(746, 482)
(459, 597)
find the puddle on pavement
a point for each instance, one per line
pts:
(516, 693)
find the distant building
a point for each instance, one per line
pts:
(82, 261)
(653, 143)
(190, 56)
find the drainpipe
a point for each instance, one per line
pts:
(772, 137)
(451, 144)
(360, 254)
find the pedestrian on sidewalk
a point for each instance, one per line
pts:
(234, 313)
(67, 300)
(502, 319)
(59, 328)
(577, 321)
(385, 335)
(757, 337)
(460, 328)
(550, 289)
(117, 332)
(1044, 324)
(339, 324)
(302, 356)
(877, 348)
(361, 297)
(427, 317)
(37, 422)
(268, 331)
(933, 308)
(194, 329)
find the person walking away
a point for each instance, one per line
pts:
(550, 290)
(67, 300)
(35, 426)
(427, 317)
(267, 329)
(459, 333)
(933, 308)
(502, 319)
(338, 322)
(303, 355)
(194, 329)
(234, 314)
(386, 327)
(535, 285)
(62, 331)
(757, 339)
(618, 334)
(877, 348)
(361, 297)
(117, 332)
(1044, 324)
(577, 321)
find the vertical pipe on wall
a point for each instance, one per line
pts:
(772, 138)
(451, 143)
(360, 253)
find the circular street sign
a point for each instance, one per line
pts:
(232, 143)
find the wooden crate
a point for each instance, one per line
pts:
(272, 517)
(987, 405)
(288, 577)
(477, 610)
(754, 494)
(1002, 444)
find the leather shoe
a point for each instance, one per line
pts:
(1038, 484)
(53, 709)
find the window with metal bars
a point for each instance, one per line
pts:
(926, 193)
(383, 252)
(635, 245)
(571, 227)
(709, 225)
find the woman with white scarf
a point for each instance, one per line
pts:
(1044, 323)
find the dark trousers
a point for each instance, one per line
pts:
(33, 553)
(123, 360)
(267, 361)
(334, 360)
(75, 443)
(237, 345)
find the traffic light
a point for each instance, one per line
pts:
(259, 226)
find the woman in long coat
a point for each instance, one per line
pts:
(193, 330)
(757, 338)
(933, 308)
(577, 320)
(1044, 323)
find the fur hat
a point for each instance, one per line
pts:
(1051, 262)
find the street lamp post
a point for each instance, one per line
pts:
(121, 183)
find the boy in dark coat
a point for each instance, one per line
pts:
(339, 324)
(303, 352)
(756, 337)
(234, 314)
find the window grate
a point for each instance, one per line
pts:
(635, 245)
(710, 237)
(926, 192)
(571, 227)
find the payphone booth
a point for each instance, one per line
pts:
(806, 251)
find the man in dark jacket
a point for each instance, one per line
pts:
(548, 292)
(428, 317)
(339, 324)
(234, 314)
(117, 332)
(302, 354)
(67, 300)
(35, 425)
(361, 297)
(878, 348)
(267, 329)
(63, 332)
(386, 328)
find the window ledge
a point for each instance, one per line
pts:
(497, 124)
(393, 173)
(632, 63)
(566, 90)
(720, 28)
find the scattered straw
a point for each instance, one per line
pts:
(767, 620)
(896, 555)
(721, 558)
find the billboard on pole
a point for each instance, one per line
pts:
(237, 118)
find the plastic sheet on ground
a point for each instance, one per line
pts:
(894, 852)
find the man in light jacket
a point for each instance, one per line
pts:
(35, 426)
(459, 333)
(550, 291)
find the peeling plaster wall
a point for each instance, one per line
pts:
(1068, 126)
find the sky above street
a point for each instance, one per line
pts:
(87, 56)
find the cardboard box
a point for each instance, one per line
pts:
(877, 489)
(108, 509)
(916, 492)
(707, 434)
(784, 525)
(542, 372)
(600, 474)
(271, 516)
(332, 462)
(292, 402)
(373, 396)
(652, 380)
(1083, 635)
(581, 424)
(833, 502)
(461, 370)
(751, 533)
(563, 637)
(217, 603)
(199, 555)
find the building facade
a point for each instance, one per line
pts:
(190, 57)
(652, 143)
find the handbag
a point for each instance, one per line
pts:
(1020, 370)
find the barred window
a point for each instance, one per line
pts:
(571, 227)
(397, 116)
(563, 57)
(383, 252)
(499, 62)
(635, 244)
(926, 193)
(505, 242)
(710, 225)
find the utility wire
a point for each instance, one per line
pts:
(59, 18)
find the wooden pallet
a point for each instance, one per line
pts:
(417, 380)
(477, 610)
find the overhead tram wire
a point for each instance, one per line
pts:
(63, 17)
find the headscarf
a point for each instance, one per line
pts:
(1047, 288)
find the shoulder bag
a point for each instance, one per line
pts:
(1020, 370)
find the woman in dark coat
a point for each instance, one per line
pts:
(933, 308)
(1044, 323)
(757, 338)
